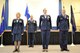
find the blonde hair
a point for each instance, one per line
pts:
(18, 13)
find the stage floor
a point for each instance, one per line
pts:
(38, 49)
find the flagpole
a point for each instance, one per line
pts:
(27, 31)
(73, 25)
(27, 16)
(2, 40)
(72, 35)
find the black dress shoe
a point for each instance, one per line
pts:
(66, 50)
(15, 50)
(43, 50)
(46, 50)
(18, 50)
(31, 46)
(62, 49)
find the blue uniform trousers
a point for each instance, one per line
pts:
(31, 38)
(63, 38)
(45, 38)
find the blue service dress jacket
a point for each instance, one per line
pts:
(32, 26)
(17, 26)
(45, 22)
(63, 22)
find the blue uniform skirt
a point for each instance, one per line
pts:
(17, 37)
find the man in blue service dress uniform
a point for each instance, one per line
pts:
(17, 31)
(63, 26)
(45, 26)
(32, 27)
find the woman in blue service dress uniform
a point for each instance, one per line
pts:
(17, 31)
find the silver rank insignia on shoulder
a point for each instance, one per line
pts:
(20, 21)
(14, 21)
(61, 18)
(48, 17)
(67, 17)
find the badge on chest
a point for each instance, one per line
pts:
(61, 18)
(20, 21)
(46, 17)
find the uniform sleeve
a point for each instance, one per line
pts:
(50, 21)
(40, 22)
(68, 22)
(58, 22)
(35, 24)
(22, 26)
(12, 25)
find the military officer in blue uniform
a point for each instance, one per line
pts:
(32, 28)
(17, 31)
(45, 26)
(63, 26)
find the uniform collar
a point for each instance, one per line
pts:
(64, 16)
(45, 16)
